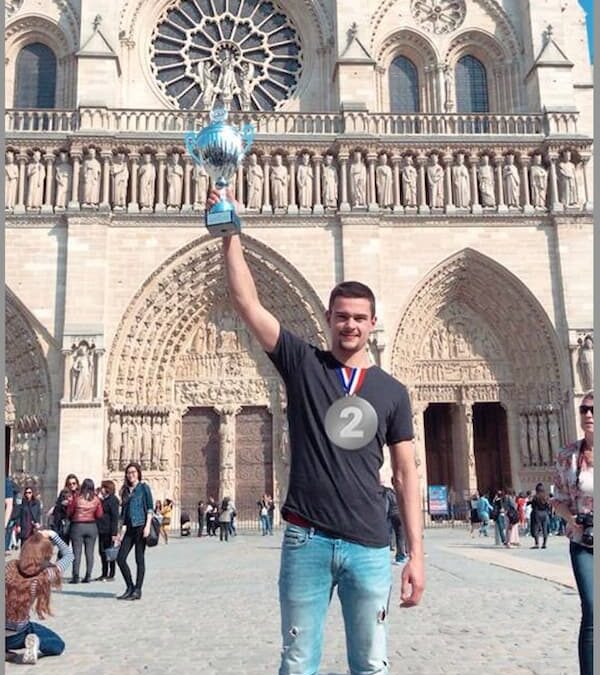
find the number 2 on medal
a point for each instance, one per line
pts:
(350, 430)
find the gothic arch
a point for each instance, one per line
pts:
(162, 318)
(62, 39)
(26, 365)
(519, 323)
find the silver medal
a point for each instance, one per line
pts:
(351, 423)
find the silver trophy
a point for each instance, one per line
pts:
(220, 148)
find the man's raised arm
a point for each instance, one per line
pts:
(242, 289)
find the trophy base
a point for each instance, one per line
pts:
(222, 223)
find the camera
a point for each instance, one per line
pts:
(586, 520)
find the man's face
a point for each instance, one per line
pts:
(350, 322)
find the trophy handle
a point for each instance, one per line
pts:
(248, 136)
(191, 147)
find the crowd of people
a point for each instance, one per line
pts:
(515, 516)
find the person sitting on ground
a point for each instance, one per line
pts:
(28, 581)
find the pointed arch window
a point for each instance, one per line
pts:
(404, 86)
(35, 77)
(471, 86)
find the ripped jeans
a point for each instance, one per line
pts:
(312, 564)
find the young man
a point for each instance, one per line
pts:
(341, 411)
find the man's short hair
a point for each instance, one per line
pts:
(352, 289)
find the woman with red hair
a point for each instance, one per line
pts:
(28, 581)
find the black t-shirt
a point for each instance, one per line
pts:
(337, 490)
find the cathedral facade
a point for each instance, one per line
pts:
(438, 150)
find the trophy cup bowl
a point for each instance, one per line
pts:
(220, 148)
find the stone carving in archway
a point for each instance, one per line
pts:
(472, 332)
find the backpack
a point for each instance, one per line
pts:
(512, 514)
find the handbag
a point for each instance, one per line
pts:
(152, 538)
(112, 552)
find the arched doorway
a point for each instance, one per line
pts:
(488, 379)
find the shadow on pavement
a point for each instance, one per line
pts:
(89, 595)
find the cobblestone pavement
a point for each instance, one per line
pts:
(211, 608)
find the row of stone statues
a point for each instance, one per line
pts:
(138, 437)
(28, 453)
(305, 184)
(539, 437)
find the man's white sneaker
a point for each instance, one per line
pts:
(32, 648)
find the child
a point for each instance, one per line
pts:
(30, 580)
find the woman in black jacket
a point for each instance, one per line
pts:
(540, 516)
(108, 528)
(60, 521)
(30, 515)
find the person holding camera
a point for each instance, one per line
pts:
(574, 501)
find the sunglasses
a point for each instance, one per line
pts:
(584, 409)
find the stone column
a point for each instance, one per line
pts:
(239, 188)
(517, 430)
(188, 167)
(292, 205)
(133, 206)
(105, 199)
(420, 453)
(266, 208)
(372, 196)
(466, 412)
(343, 160)
(449, 206)
(397, 208)
(20, 205)
(499, 162)
(47, 205)
(74, 205)
(527, 207)
(476, 207)
(318, 206)
(588, 204)
(555, 205)
(227, 485)
(160, 206)
(422, 196)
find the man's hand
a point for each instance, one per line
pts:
(214, 197)
(413, 581)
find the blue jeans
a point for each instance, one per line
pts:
(312, 564)
(265, 525)
(582, 559)
(50, 643)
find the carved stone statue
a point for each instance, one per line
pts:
(126, 434)
(11, 181)
(165, 444)
(279, 183)
(36, 173)
(146, 434)
(523, 442)
(254, 180)
(485, 174)
(384, 182)
(42, 446)
(358, 181)
(435, 181)
(409, 182)
(330, 183)
(115, 442)
(174, 181)
(82, 373)
(201, 182)
(567, 181)
(156, 442)
(91, 179)
(135, 438)
(147, 176)
(207, 84)
(448, 89)
(539, 182)
(586, 363)
(226, 83)
(461, 183)
(304, 179)
(532, 433)
(247, 85)
(554, 431)
(119, 174)
(63, 173)
(284, 444)
(512, 182)
(543, 440)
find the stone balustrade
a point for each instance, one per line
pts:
(331, 178)
(98, 119)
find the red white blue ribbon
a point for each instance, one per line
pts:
(351, 379)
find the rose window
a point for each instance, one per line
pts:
(439, 16)
(245, 52)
